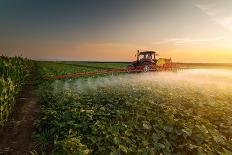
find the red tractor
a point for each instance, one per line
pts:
(146, 61)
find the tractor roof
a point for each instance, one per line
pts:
(145, 52)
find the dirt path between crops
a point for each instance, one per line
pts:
(16, 135)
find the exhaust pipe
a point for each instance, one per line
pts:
(137, 55)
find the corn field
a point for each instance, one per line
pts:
(14, 72)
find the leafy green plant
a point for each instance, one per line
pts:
(128, 117)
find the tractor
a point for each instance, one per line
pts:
(147, 61)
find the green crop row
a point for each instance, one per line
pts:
(58, 69)
(14, 72)
(102, 65)
(50, 69)
(129, 115)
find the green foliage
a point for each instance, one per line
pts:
(103, 65)
(49, 69)
(132, 118)
(53, 69)
(14, 72)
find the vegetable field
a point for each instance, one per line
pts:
(102, 65)
(49, 69)
(62, 70)
(187, 112)
(14, 72)
(170, 113)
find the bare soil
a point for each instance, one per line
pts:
(16, 135)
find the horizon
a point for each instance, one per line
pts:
(103, 61)
(192, 31)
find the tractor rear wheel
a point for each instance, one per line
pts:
(146, 68)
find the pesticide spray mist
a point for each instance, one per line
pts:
(207, 80)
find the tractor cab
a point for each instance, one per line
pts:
(145, 58)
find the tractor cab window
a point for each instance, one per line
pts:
(141, 57)
(148, 56)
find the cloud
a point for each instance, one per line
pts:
(219, 11)
(182, 41)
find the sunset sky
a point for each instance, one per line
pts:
(112, 30)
